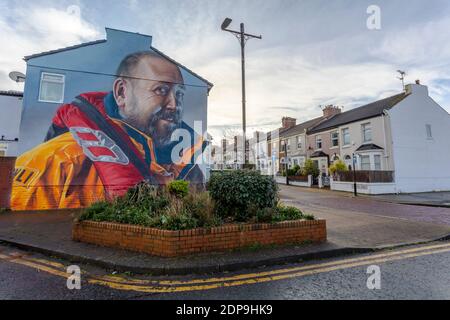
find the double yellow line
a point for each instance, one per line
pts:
(168, 286)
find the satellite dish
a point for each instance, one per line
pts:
(17, 76)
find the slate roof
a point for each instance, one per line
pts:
(300, 128)
(370, 146)
(319, 154)
(368, 111)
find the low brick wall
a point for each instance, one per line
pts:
(177, 243)
(6, 180)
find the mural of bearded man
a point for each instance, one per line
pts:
(103, 143)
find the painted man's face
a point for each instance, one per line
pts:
(152, 101)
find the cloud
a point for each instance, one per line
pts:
(34, 28)
(313, 52)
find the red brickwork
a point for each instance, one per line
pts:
(177, 243)
(6, 180)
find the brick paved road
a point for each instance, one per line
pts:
(345, 201)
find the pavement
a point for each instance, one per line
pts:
(432, 199)
(413, 272)
(355, 225)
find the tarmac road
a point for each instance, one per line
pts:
(416, 272)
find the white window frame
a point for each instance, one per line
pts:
(334, 139)
(375, 163)
(299, 142)
(63, 86)
(288, 148)
(364, 128)
(343, 137)
(366, 156)
(319, 139)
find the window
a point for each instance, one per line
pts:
(429, 132)
(318, 142)
(299, 142)
(274, 145)
(52, 88)
(365, 162)
(346, 137)
(335, 139)
(366, 132)
(288, 144)
(377, 161)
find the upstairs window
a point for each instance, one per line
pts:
(366, 132)
(335, 139)
(429, 132)
(299, 142)
(346, 137)
(318, 142)
(288, 144)
(52, 88)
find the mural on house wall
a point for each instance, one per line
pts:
(128, 129)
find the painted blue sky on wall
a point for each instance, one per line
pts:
(313, 52)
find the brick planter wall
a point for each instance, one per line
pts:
(6, 180)
(177, 243)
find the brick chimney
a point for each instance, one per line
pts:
(331, 110)
(288, 122)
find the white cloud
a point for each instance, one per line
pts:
(33, 29)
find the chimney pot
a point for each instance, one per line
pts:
(288, 122)
(417, 81)
(330, 111)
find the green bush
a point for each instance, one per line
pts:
(279, 214)
(238, 197)
(338, 166)
(179, 188)
(294, 171)
(235, 192)
(310, 169)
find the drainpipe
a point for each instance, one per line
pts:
(385, 114)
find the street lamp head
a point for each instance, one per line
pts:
(226, 23)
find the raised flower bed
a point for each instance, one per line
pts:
(166, 243)
(240, 209)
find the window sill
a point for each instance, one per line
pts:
(55, 102)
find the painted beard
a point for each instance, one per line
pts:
(150, 128)
(173, 118)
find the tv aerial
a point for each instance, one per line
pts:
(17, 76)
(402, 77)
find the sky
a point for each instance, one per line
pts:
(313, 52)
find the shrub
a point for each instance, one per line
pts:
(288, 213)
(310, 169)
(235, 196)
(280, 213)
(338, 166)
(235, 192)
(309, 217)
(293, 171)
(179, 188)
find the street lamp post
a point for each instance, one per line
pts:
(242, 37)
(355, 186)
